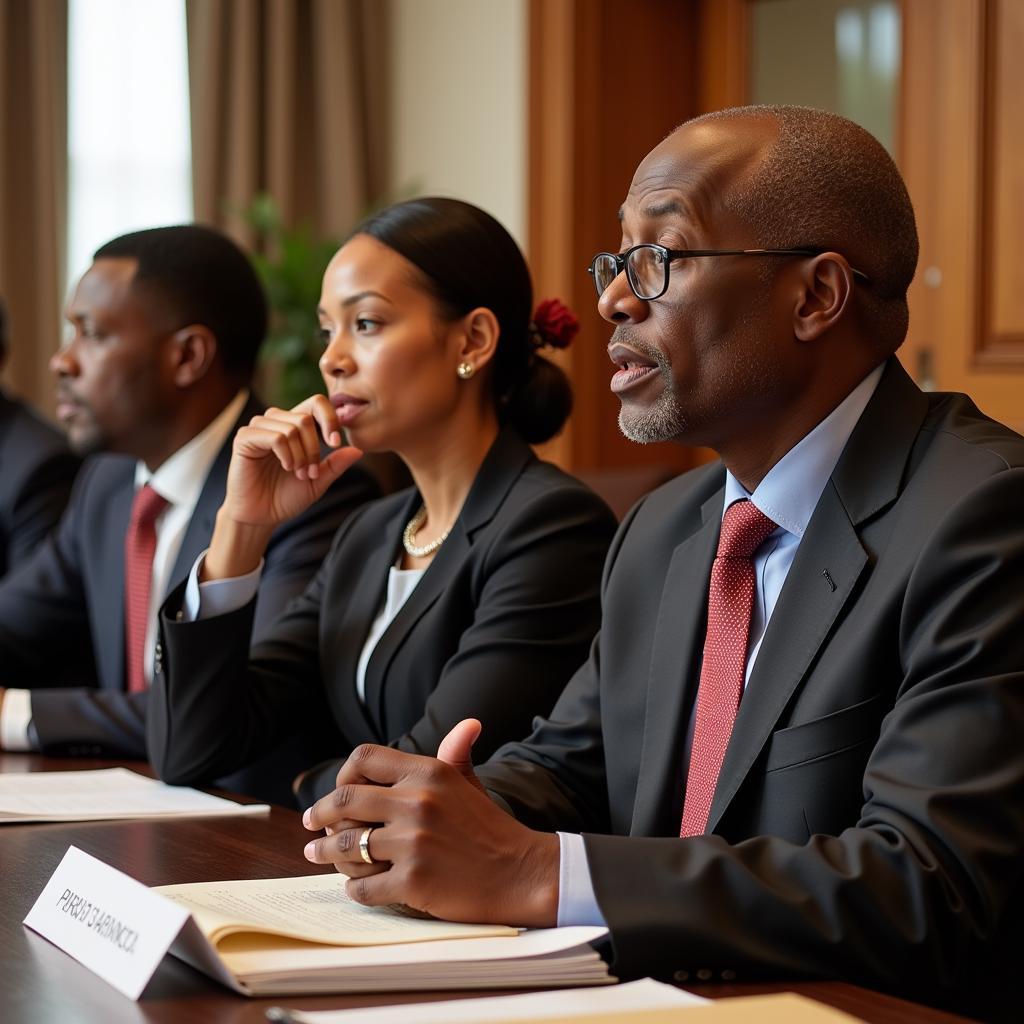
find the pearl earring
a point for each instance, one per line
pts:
(465, 370)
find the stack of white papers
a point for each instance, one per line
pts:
(291, 936)
(106, 794)
(563, 1004)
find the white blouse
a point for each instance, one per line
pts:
(401, 583)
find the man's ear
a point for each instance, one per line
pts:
(193, 349)
(478, 338)
(827, 284)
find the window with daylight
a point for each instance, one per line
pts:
(129, 151)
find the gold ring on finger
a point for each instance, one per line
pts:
(364, 846)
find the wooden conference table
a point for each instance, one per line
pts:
(40, 983)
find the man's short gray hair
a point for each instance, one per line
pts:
(827, 183)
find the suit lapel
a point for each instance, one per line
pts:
(200, 526)
(503, 465)
(365, 600)
(678, 638)
(866, 480)
(108, 565)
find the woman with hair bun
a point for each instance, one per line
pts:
(472, 594)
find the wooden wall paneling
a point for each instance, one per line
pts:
(1001, 288)
(723, 60)
(937, 149)
(960, 157)
(607, 82)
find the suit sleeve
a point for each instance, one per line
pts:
(99, 722)
(213, 708)
(44, 623)
(38, 504)
(916, 893)
(554, 779)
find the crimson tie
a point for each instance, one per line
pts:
(730, 601)
(139, 546)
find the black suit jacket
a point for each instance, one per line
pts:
(36, 473)
(62, 613)
(505, 610)
(868, 822)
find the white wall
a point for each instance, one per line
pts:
(458, 96)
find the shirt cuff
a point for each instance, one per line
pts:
(218, 597)
(15, 718)
(577, 904)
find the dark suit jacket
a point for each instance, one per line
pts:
(868, 822)
(36, 473)
(62, 613)
(505, 610)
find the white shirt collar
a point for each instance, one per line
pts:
(180, 478)
(790, 490)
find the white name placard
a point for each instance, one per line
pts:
(110, 923)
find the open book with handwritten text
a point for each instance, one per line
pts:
(282, 936)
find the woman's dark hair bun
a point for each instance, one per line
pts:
(540, 405)
(470, 260)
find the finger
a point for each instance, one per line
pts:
(362, 870)
(283, 440)
(344, 847)
(456, 748)
(354, 869)
(370, 763)
(327, 417)
(334, 465)
(309, 437)
(378, 890)
(365, 804)
(301, 430)
(259, 441)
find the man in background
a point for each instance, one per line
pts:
(152, 386)
(36, 473)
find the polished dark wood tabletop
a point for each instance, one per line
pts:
(40, 983)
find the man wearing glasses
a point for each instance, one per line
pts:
(798, 747)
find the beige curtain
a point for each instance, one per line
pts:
(288, 97)
(33, 185)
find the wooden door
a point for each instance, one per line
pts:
(962, 154)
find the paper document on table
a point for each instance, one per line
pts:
(105, 794)
(639, 1002)
(565, 1004)
(299, 936)
(314, 908)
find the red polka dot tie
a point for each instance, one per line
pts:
(730, 601)
(139, 547)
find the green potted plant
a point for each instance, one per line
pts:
(290, 262)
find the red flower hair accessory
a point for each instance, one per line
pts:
(554, 324)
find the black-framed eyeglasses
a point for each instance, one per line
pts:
(647, 265)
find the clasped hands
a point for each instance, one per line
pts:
(439, 844)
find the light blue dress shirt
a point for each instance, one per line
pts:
(787, 495)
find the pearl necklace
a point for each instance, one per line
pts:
(412, 528)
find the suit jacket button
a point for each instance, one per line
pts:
(728, 975)
(704, 974)
(680, 975)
